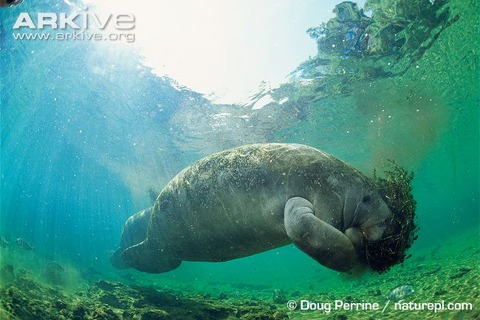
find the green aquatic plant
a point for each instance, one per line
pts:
(385, 44)
(396, 190)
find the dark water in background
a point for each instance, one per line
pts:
(87, 130)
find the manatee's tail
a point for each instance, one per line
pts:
(117, 260)
(147, 258)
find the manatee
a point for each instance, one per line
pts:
(134, 231)
(254, 198)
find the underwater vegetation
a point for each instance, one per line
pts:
(25, 298)
(396, 189)
(386, 44)
(436, 275)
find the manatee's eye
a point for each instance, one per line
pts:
(366, 199)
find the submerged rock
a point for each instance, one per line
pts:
(279, 297)
(155, 314)
(460, 273)
(401, 292)
(28, 299)
(3, 242)
(55, 273)
(24, 244)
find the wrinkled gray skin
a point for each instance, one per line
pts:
(134, 231)
(255, 198)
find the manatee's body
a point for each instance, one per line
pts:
(251, 199)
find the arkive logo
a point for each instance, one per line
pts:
(9, 3)
(74, 26)
(83, 20)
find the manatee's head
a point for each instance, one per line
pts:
(382, 239)
(366, 220)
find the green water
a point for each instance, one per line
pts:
(426, 119)
(433, 131)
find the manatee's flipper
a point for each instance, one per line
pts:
(320, 240)
(147, 258)
(117, 260)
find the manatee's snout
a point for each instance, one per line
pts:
(369, 223)
(375, 232)
(355, 235)
(359, 235)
